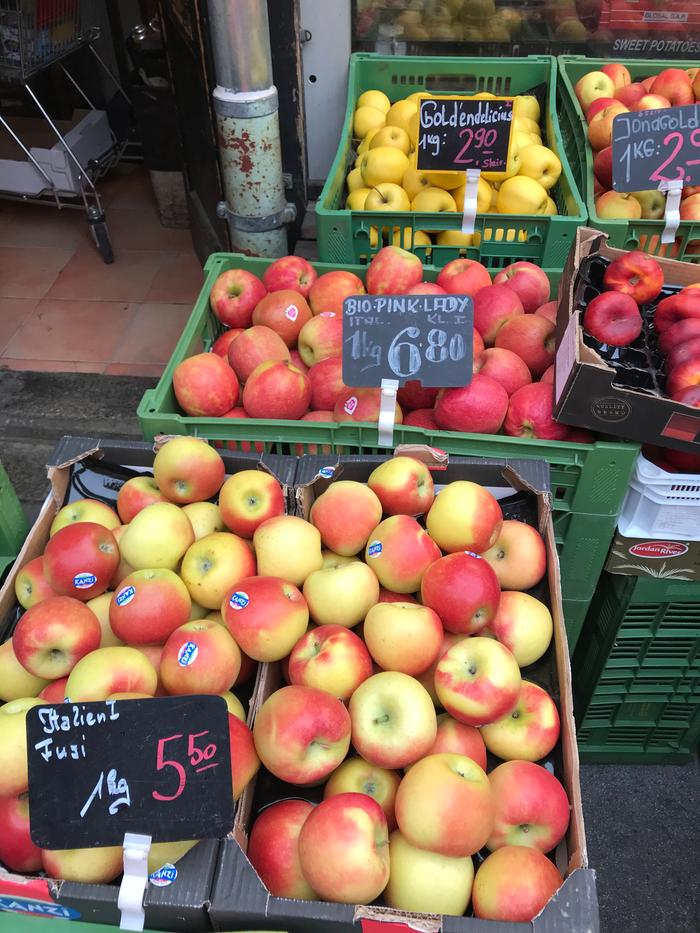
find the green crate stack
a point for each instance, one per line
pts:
(636, 672)
(589, 481)
(13, 522)
(624, 234)
(344, 235)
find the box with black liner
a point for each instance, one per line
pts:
(239, 898)
(91, 468)
(617, 390)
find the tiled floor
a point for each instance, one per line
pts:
(63, 309)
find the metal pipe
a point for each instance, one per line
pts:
(246, 106)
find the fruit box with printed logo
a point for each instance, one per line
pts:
(240, 900)
(176, 898)
(614, 390)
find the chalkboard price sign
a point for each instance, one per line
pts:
(161, 767)
(405, 337)
(455, 134)
(652, 147)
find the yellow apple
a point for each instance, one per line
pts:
(213, 564)
(14, 776)
(98, 865)
(376, 99)
(85, 510)
(418, 96)
(400, 114)
(484, 95)
(341, 594)
(427, 882)
(356, 200)
(456, 238)
(419, 238)
(551, 209)
(521, 195)
(433, 201)
(414, 181)
(521, 138)
(526, 124)
(386, 163)
(354, 180)
(157, 536)
(527, 106)
(204, 517)
(483, 196)
(162, 853)
(288, 547)
(391, 136)
(364, 145)
(386, 196)
(100, 606)
(234, 705)
(513, 166)
(15, 680)
(366, 119)
(542, 164)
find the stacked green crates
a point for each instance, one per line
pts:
(636, 672)
(344, 235)
(13, 523)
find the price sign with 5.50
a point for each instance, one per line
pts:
(161, 767)
(653, 147)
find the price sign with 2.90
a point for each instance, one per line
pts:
(653, 147)
(98, 770)
(457, 133)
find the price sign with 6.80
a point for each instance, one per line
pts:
(161, 767)
(406, 337)
(654, 147)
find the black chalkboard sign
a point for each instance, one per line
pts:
(405, 337)
(655, 146)
(455, 134)
(160, 767)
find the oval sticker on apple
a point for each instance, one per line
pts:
(292, 312)
(124, 597)
(375, 549)
(187, 654)
(350, 406)
(83, 581)
(239, 600)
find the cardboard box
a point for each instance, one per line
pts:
(86, 467)
(239, 899)
(585, 393)
(667, 559)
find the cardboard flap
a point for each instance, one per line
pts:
(432, 457)
(422, 923)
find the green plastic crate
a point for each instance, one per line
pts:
(13, 522)
(344, 235)
(575, 611)
(624, 234)
(636, 671)
(585, 541)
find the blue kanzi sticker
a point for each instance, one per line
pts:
(21, 905)
(187, 654)
(83, 581)
(124, 597)
(165, 875)
(375, 549)
(326, 472)
(239, 600)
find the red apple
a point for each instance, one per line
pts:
(676, 308)
(204, 385)
(295, 358)
(651, 102)
(403, 485)
(493, 306)
(421, 418)
(31, 586)
(674, 84)
(330, 658)
(600, 103)
(80, 560)
(52, 636)
(330, 290)
(326, 378)
(426, 288)
(549, 311)
(647, 83)
(359, 776)
(602, 167)
(548, 376)
(234, 295)
(256, 345)
(635, 274)
(531, 336)
(530, 413)
(464, 517)
(630, 94)
(399, 551)
(463, 590)
(284, 311)
(514, 884)
(683, 376)
(528, 281)
(690, 395)
(136, 494)
(361, 405)
(463, 277)
(224, 341)
(619, 73)
(388, 596)
(478, 408)
(615, 205)
(292, 272)
(393, 271)
(266, 616)
(457, 738)
(249, 498)
(17, 851)
(55, 692)
(529, 731)
(276, 390)
(345, 515)
(199, 657)
(273, 849)
(414, 395)
(188, 469)
(600, 127)
(321, 337)
(518, 557)
(531, 807)
(613, 318)
(680, 332)
(690, 210)
(148, 606)
(244, 758)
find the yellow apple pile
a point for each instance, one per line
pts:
(384, 176)
(449, 20)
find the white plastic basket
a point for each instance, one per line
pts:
(661, 503)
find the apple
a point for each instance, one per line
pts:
(463, 589)
(514, 884)
(341, 593)
(345, 515)
(531, 413)
(97, 865)
(403, 485)
(136, 494)
(344, 849)
(445, 804)
(399, 551)
(17, 851)
(293, 272)
(529, 731)
(421, 418)
(199, 657)
(674, 84)
(84, 510)
(361, 405)
(635, 274)
(14, 776)
(601, 126)
(296, 360)
(531, 807)
(532, 338)
(478, 408)
(618, 73)
(266, 616)
(613, 318)
(330, 658)
(618, 205)
(652, 203)
(602, 166)
(393, 720)
(321, 338)
(676, 308)
(425, 881)
(651, 102)
(684, 330)
(187, 469)
(302, 734)
(393, 271)
(356, 775)
(148, 606)
(493, 306)
(52, 636)
(463, 277)
(244, 757)
(504, 367)
(403, 637)
(549, 311)
(224, 341)
(464, 517)
(258, 344)
(600, 103)
(213, 564)
(157, 537)
(289, 547)
(630, 94)
(204, 517)
(593, 85)
(458, 738)
(233, 705)
(204, 385)
(15, 680)
(55, 692)
(117, 669)
(276, 389)
(31, 586)
(332, 288)
(414, 395)
(249, 498)
(273, 848)
(234, 295)
(100, 606)
(683, 376)
(284, 311)
(80, 560)
(528, 281)
(478, 681)
(524, 625)
(690, 395)
(426, 288)
(326, 378)
(518, 557)
(124, 568)
(690, 210)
